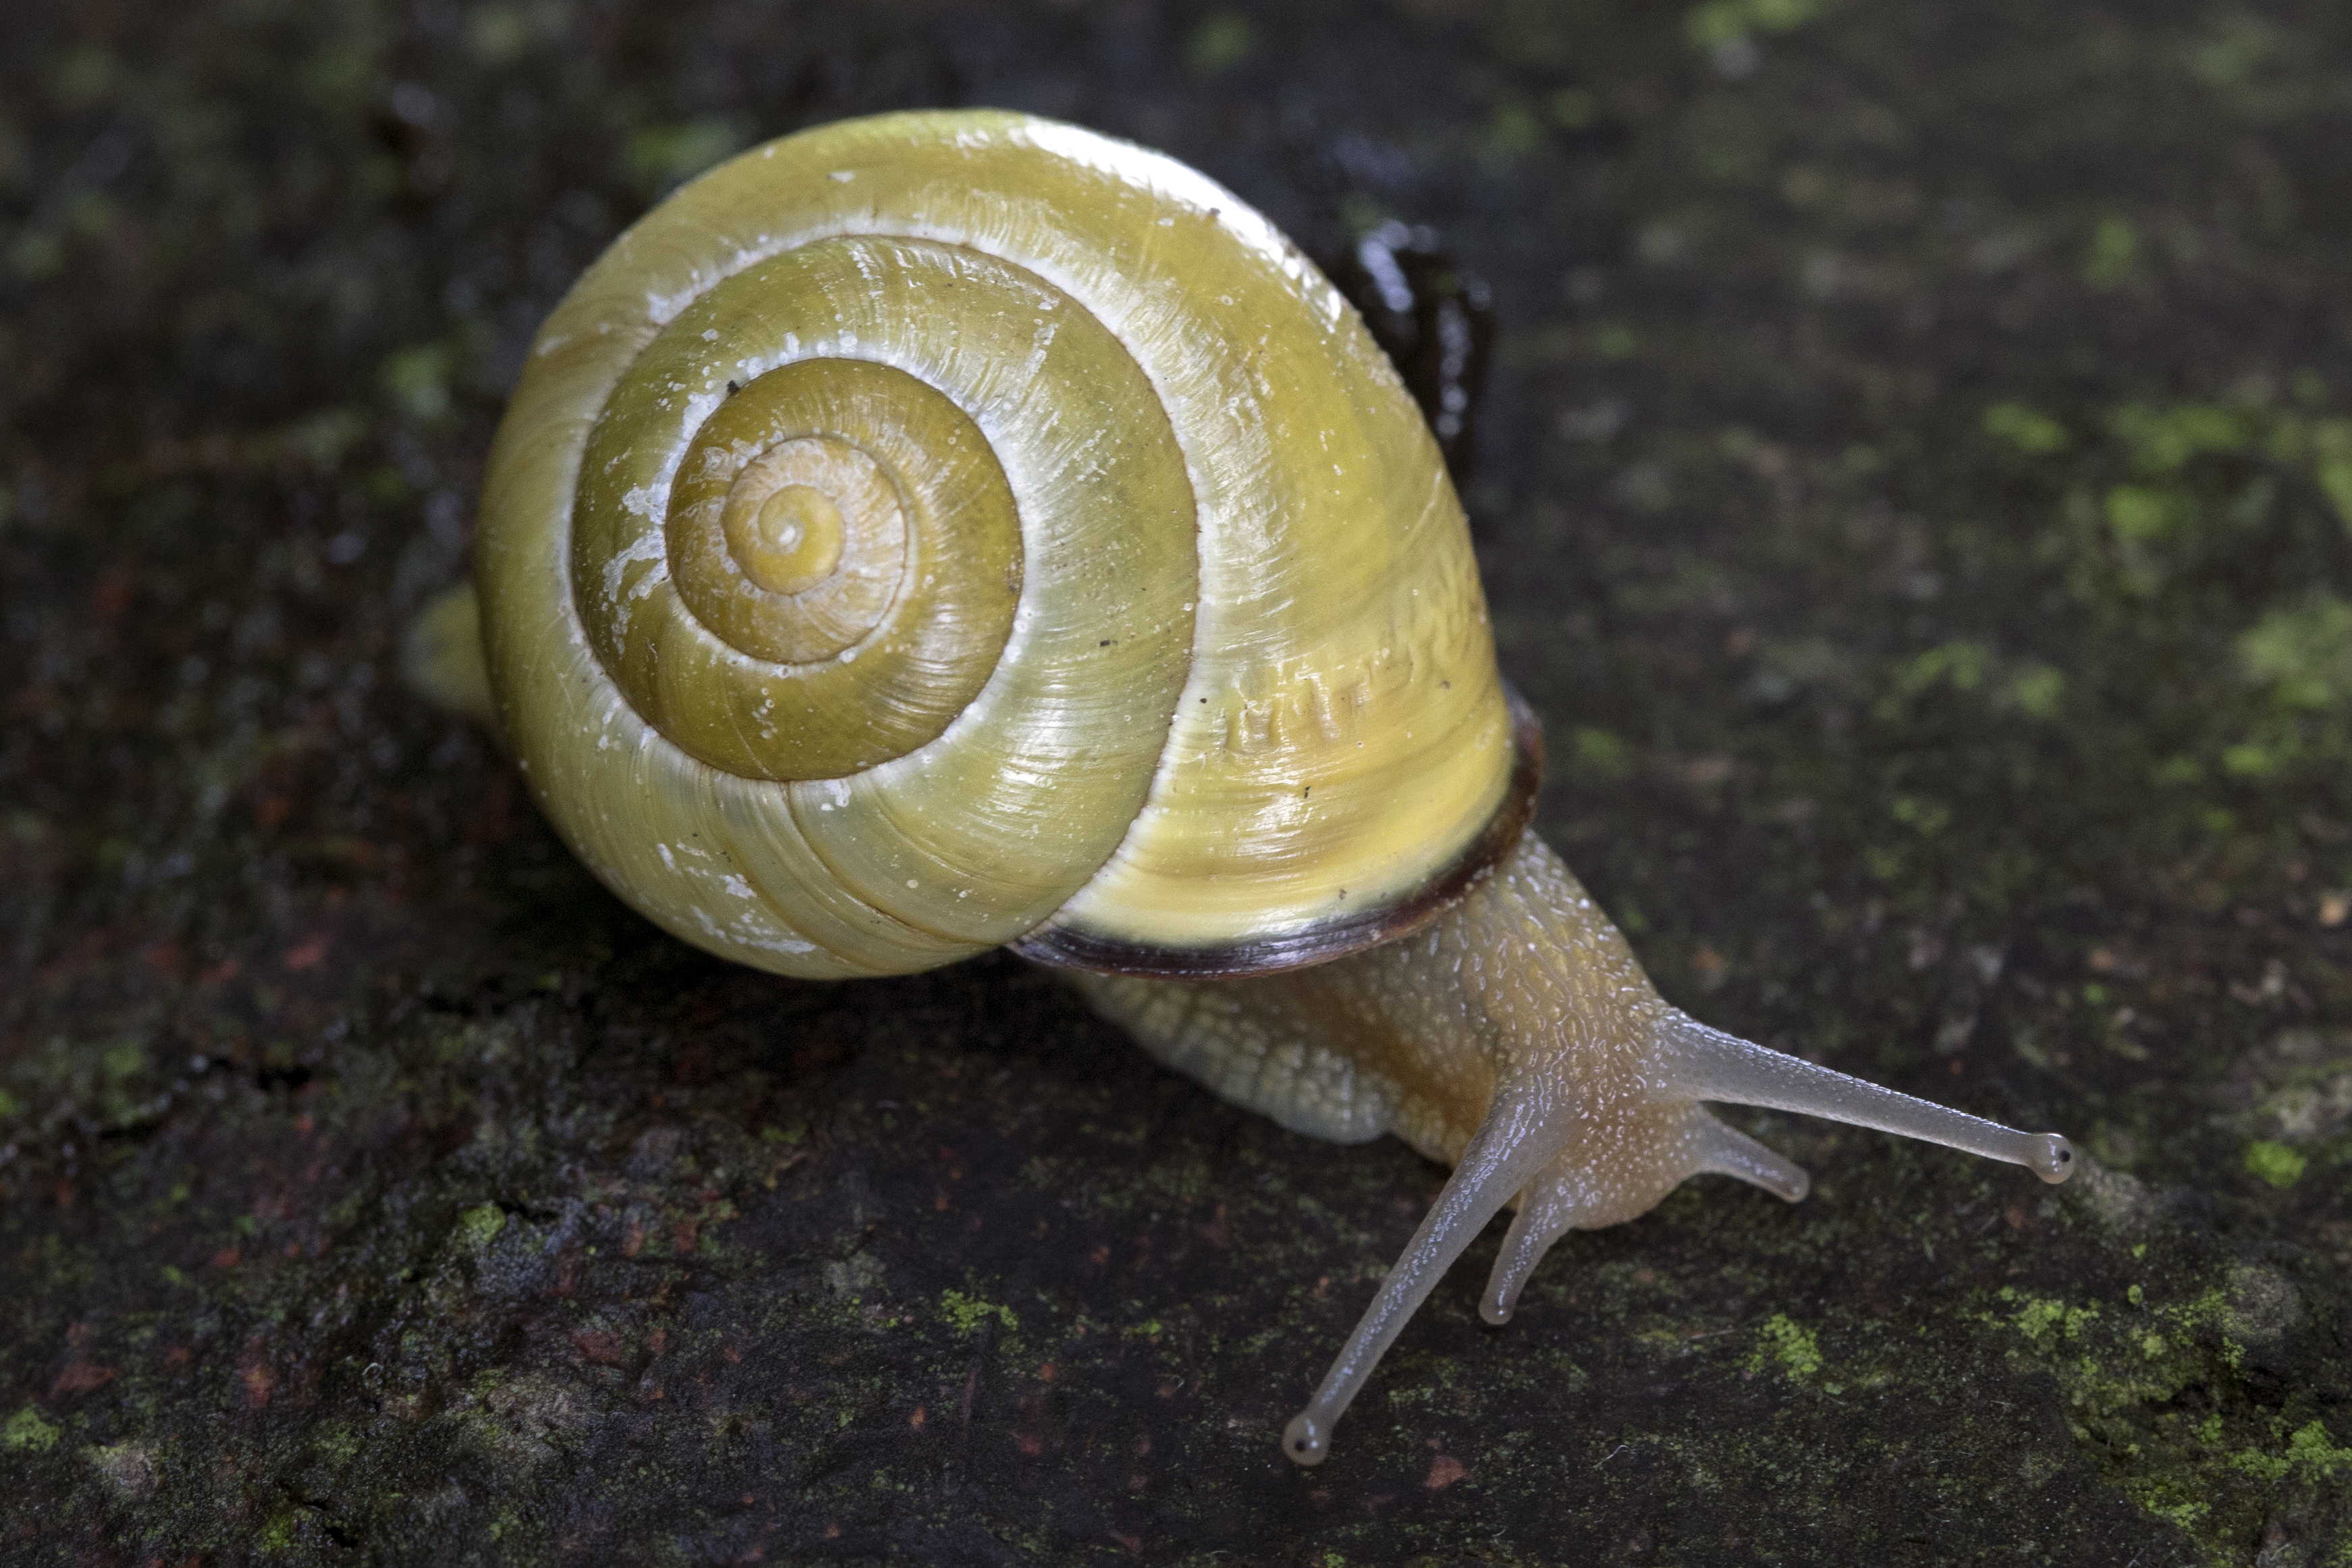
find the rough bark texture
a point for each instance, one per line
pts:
(1914, 488)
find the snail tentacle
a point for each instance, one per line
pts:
(1502, 1156)
(1708, 1064)
(1726, 1151)
(441, 657)
(1562, 1198)
(1547, 1210)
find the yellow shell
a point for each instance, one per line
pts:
(941, 530)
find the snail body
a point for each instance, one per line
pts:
(949, 530)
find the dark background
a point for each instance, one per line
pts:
(1913, 481)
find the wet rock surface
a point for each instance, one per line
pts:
(1914, 477)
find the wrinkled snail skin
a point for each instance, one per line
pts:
(948, 530)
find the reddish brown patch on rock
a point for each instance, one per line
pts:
(81, 1376)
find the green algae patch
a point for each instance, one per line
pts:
(2159, 1392)
(278, 1534)
(2030, 431)
(1787, 1344)
(2046, 1323)
(2275, 1163)
(967, 1312)
(27, 1433)
(2302, 651)
(2310, 1449)
(479, 1226)
(1714, 25)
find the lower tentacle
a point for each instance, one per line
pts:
(1723, 1150)
(1564, 1196)
(1548, 1211)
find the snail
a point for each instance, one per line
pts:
(942, 531)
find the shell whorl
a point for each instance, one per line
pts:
(935, 530)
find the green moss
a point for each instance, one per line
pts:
(658, 157)
(2330, 448)
(2309, 1449)
(2035, 689)
(25, 1432)
(2275, 1163)
(1714, 23)
(2141, 513)
(479, 1226)
(2302, 653)
(1600, 753)
(418, 381)
(2113, 256)
(2126, 1371)
(2028, 429)
(2162, 438)
(1616, 340)
(1788, 1345)
(1220, 40)
(2187, 1514)
(278, 1533)
(967, 1312)
(2045, 1321)
(124, 1058)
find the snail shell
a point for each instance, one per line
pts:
(939, 531)
(942, 530)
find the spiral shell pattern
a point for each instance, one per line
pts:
(903, 541)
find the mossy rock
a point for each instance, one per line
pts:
(1914, 482)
